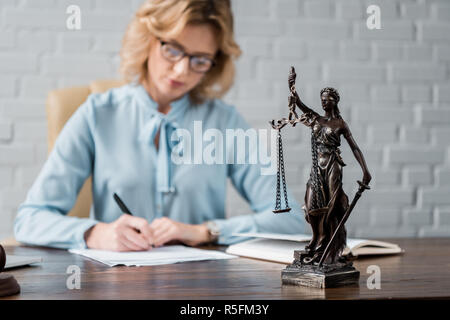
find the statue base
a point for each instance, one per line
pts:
(326, 276)
(8, 285)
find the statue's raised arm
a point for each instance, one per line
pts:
(298, 102)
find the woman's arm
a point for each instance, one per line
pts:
(357, 153)
(41, 219)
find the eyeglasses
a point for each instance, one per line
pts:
(175, 53)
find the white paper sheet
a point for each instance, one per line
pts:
(156, 256)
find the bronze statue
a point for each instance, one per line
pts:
(326, 204)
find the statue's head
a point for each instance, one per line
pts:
(329, 98)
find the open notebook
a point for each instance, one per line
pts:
(280, 247)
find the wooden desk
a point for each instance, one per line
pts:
(423, 271)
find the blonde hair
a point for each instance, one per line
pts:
(167, 18)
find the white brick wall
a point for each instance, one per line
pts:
(394, 85)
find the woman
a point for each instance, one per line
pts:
(177, 57)
(325, 200)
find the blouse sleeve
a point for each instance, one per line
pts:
(259, 190)
(41, 218)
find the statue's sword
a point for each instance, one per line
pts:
(358, 194)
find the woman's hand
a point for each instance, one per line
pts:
(127, 233)
(165, 230)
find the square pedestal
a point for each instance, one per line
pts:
(325, 277)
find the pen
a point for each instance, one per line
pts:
(122, 205)
(124, 209)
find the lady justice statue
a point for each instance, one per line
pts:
(326, 204)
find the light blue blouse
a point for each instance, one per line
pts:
(110, 137)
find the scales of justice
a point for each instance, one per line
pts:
(327, 208)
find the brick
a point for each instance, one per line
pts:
(392, 196)
(353, 92)
(10, 3)
(377, 114)
(30, 131)
(382, 133)
(104, 21)
(431, 116)
(6, 177)
(7, 39)
(258, 27)
(384, 177)
(414, 10)
(386, 93)
(443, 52)
(434, 196)
(12, 198)
(287, 8)
(414, 135)
(5, 130)
(355, 72)
(444, 216)
(440, 11)
(410, 155)
(314, 30)
(70, 42)
(417, 175)
(386, 217)
(107, 43)
(350, 10)
(355, 51)
(416, 93)
(26, 175)
(36, 41)
(385, 232)
(385, 51)
(318, 9)
(17, 62)
(250, 8)
(7, 86)
(84, 5)
(443, 176)
(443, 93)
(23, 109)
(390, 30)
(41, 152)
(321, 50)
(434, 31)
(441, 231)
(255, 90)
(288, 48)
(43, 4)
(417, 73)
(30, 18)
(76, 65)
(440, 136)
(32, 86)
(418, 52)
(245, 69)
(417, 217)
(16, 155)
